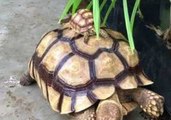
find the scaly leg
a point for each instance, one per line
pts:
(150, 102)
(89, 33)
(88, 114)
(26, 80)
(110, 109)
(104, 34)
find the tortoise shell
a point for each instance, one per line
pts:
(74, 75)
(82, 21)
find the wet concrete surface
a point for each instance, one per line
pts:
(22, 22)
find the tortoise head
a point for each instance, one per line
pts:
(82, 21)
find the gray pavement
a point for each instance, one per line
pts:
(22, 22)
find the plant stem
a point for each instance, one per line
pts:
(90, 5)
(66, 9)
(108, 12)
(136, 6)
(128, 26)
(96, 16)
(102, 4)
(75, 6)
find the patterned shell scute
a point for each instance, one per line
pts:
(75, 71)
(93, 45)
(55, 55)
(108, 65)
(74, 75)
(82, 21)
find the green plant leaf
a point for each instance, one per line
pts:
(135, 8)
(89, 5)
(96, 16)
(128, 25)
(112, 5)
(66, 9)
(102, 4)
(75, 6)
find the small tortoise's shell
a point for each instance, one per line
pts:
(82, 21)
(74, 75)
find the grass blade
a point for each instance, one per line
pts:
(96, 16)
(128, 25)
(66, 9)
(135, 8)
(89, 5)
(102, 4)
(108, 12)
(75, 6)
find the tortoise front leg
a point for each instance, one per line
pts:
(92, 32)
(26, 80)
(86, 37)
(104, 34)
(150, 102)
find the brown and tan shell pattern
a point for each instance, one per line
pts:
(74, 75)
(82, 21)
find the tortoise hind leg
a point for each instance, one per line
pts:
(110, 109)
(150, 102)
(26, 80)
(106, 110)
(88, 114)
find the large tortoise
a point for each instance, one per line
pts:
(98, 79)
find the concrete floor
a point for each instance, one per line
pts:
(22, 22)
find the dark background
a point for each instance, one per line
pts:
(155, 58)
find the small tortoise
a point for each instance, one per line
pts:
(82, 23)
(98, 80)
